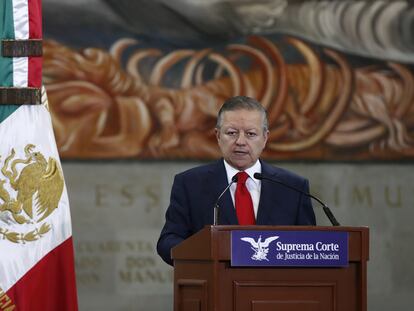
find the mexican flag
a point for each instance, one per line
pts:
(36, 249)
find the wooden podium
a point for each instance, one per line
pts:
(204, 280)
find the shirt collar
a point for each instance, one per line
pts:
(255, 168)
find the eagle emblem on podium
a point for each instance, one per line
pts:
(260, 248)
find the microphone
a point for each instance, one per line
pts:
(216, 206)
(325, 207)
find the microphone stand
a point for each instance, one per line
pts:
(325, 207)
(216, 206)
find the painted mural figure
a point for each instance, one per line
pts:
(335, 77)
(241, 132)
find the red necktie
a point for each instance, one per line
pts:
(244, 203)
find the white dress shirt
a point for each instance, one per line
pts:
(253, 185)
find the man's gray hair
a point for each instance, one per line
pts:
(242, 102)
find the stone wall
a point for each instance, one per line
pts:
(118, 210)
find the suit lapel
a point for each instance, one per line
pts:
(269, 196)
(218, 178)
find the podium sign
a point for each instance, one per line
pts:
(289, 248)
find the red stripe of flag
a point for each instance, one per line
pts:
(50, 284)
(35, 32)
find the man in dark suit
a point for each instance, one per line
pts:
(242, 132)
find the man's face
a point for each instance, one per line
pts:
(241, 137)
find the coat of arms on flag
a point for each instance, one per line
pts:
(36, 247)
(39, 178)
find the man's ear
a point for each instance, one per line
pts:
(217, 133)
(266, 136)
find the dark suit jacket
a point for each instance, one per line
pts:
(195, 191)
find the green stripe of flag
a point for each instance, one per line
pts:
(6, 63)
(6, 32)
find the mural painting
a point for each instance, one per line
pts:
(336, 78)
